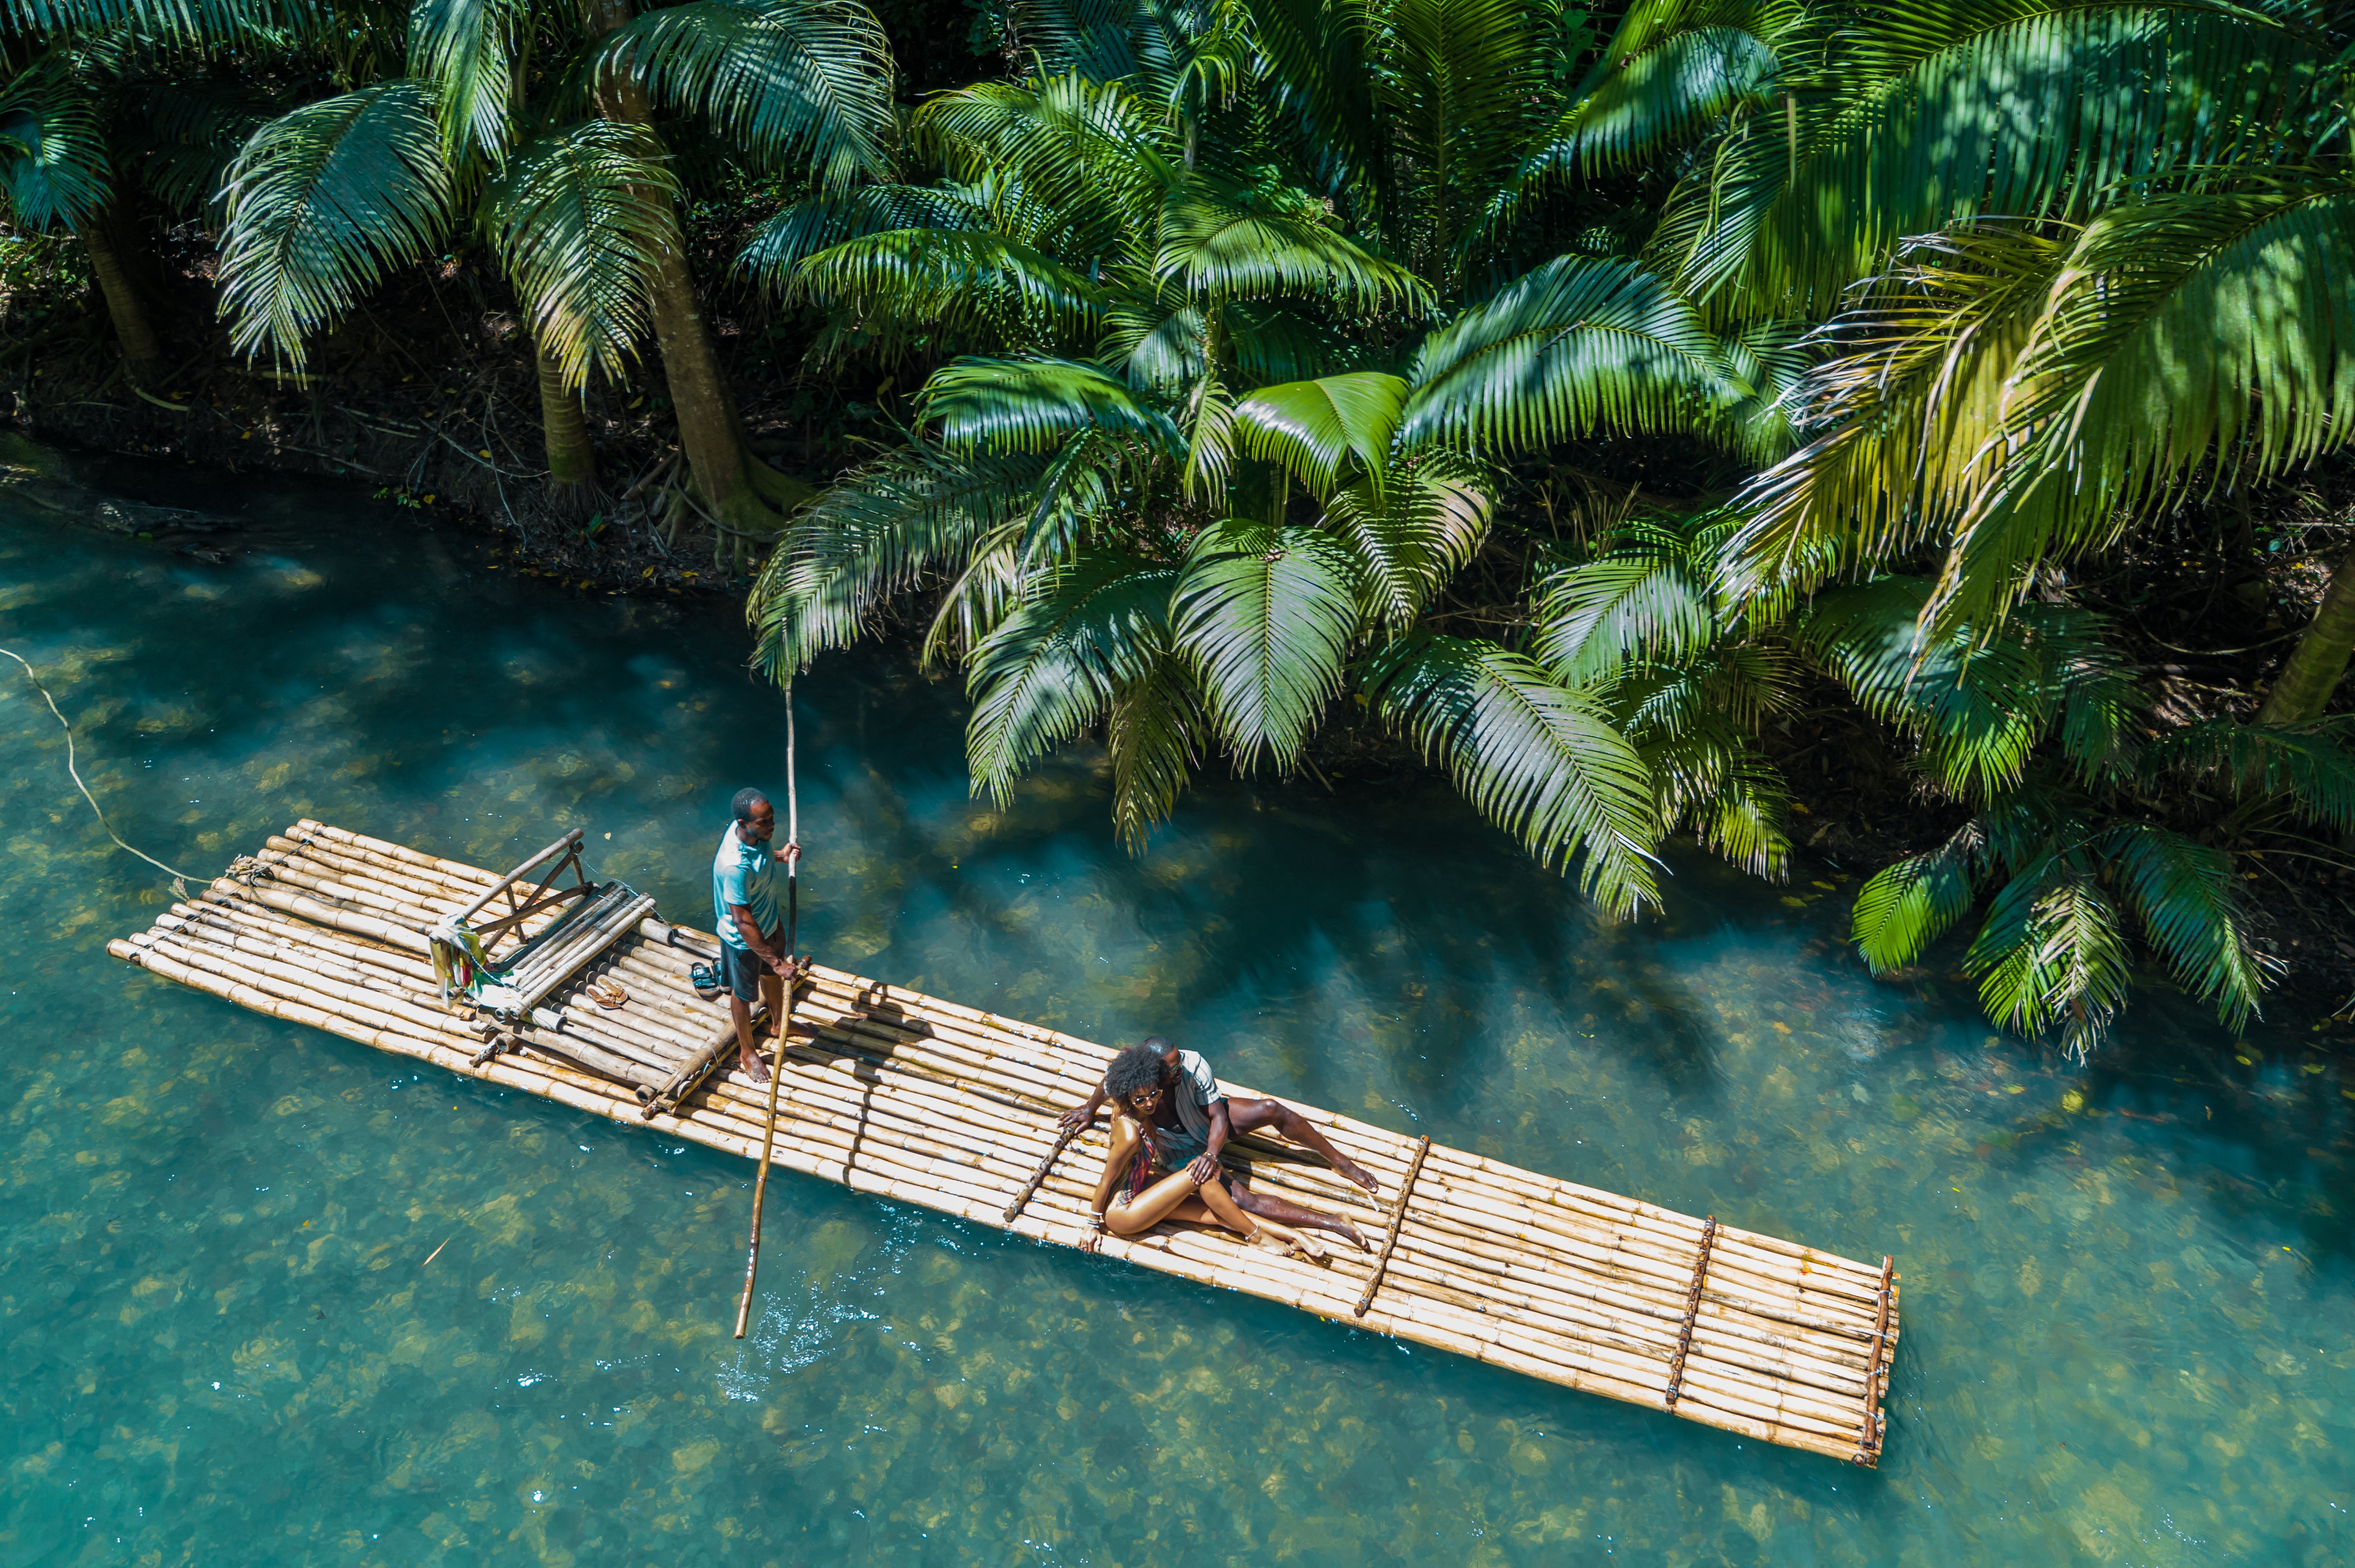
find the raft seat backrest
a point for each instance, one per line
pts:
(510, 984)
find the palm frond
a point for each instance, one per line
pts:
(1411, 533)
(1088, 154)
(581, 220)
(2183, 893)
(1710, 778)
(1538, 759)
(1219, 245)
(879, 530)
(1459, 84)
(1264, 615)
(1147, 46)
(1646, 598)
(2050, 955)
(787, 78)
(1916, 382)
(1149, 736)
(1906, 906)
(2313, 764)
(194, 129)
(1034, 405)
(1672, 71)
(1574, 347)
(1978, 701)
(463, 49)
(1931, 114)
(2210, 333)
(1051, 667)
(801, 230)
(919, 283)
(1316, 428)
(320, 201)
(54, 167)
(1320, 84)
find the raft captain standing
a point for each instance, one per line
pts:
(752, 957)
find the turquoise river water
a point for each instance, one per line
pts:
(272, 1297)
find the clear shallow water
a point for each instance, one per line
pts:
(229, 1336)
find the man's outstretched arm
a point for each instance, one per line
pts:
(1080, 1115)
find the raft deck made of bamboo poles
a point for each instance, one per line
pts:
(923, 1101)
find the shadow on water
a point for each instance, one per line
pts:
(274, 1297)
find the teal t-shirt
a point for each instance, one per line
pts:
(743, 874)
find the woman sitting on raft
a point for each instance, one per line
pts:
(1158, 1170)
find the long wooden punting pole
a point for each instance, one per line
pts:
(784, 1024)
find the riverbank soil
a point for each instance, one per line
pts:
(428, 399)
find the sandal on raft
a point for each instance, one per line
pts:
(606, 994)
(705, 978)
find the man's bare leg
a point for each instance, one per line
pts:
(748, 1060)
(1293, 1215)
(1276, 1116)
(772, 991)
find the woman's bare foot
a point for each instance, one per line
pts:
(1290, 1242)
(1352, 1171)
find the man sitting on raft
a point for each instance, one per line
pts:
(1171, 1122)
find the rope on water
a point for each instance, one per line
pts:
(179, 879)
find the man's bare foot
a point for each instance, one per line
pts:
(1352, 1171)
(1344, 1229)
(751, 1065)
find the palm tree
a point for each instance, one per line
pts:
(1213, 465)
(537, 123)
(98, 100)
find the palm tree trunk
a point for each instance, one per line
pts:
(571, 461)
(132, 329)
(2303, 688)
(734, 487)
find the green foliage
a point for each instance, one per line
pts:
(1979, 703)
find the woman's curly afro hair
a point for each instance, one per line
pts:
(1138, 1067)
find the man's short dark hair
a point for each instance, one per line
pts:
(1138, 1067)
(746, 802)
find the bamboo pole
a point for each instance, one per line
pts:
(1389, 1237)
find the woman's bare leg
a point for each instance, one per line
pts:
(1124, 1136)
(1157, 1203)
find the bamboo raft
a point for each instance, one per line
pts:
(923, 1101)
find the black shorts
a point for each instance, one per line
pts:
(740, 968)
